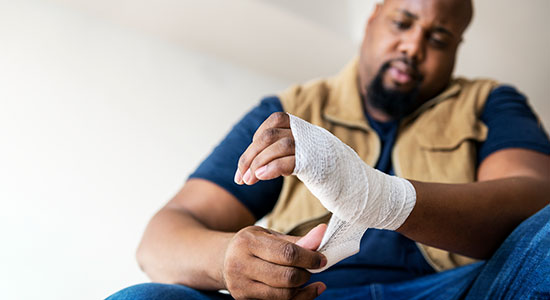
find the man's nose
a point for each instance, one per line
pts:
(412, 45)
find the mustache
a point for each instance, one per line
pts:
(394, 102)
(411, 64)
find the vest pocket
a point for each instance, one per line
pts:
(452, 137)
(445, 156)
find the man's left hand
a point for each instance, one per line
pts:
(271, 153)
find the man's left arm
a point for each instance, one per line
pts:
(474, 219)
(469, 219)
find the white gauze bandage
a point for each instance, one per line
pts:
(358, 195)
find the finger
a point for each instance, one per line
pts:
(311, 291)
(274, 249)
(260, 290)
(284, 147)
(312, 240)
(282, 166)
(266, 138)
(275, 120)
(279, 276)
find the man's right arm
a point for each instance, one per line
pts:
(203, 237)
(207, 211)
(191, 241)
(185, 241)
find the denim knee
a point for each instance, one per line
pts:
(158, 291)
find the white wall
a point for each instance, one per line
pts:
(330, 14)
(510, 41)
(99, 126)
(275, 37)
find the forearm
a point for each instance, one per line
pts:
(176, 248)
(470, 219)
(473, 219)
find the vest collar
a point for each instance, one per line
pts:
(345, 106)
(452, 90)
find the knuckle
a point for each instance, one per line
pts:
(232, 283)
(269, 135)
(234, 266)
(291, 276)
(249, 232)
(238, 294)
(275, 167)
(242, 161)
(287, 143)
(316, 261)
(283, 167)
(255, 164)
(242, 238)
(239, 238)
(290, 253)
(287, 294)
(278, 117)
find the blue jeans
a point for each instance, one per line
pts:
(520, 269)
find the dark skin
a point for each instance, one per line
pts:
(471, 219)
(205, 238)
(426, 32)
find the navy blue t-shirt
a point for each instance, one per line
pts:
(385, 256)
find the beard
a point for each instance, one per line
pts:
(394, 103)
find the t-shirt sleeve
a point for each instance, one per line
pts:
(220, 166)
(511, 124)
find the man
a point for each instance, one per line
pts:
(476, 159)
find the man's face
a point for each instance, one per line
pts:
(411, 45)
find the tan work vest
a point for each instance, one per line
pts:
(434, 144)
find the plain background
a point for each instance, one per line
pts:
(107, 106)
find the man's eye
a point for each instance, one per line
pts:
(400, 25)
(438, 43)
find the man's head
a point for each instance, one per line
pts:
(408, 52)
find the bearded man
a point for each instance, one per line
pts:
(432, 187)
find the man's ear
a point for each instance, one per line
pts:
(374, 14)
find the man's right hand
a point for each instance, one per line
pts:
(263, 264)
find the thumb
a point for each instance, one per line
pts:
(313, 238)
(310, 241)
(311, 291)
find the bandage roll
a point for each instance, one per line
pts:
(359, 196)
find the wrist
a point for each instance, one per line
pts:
(358, 195)
(215, 269)
(399, 200)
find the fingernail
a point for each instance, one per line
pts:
(238, 177)
(324, 262)
(321, 289)
(260, 172)
(247, 176)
